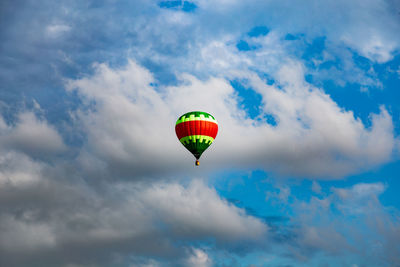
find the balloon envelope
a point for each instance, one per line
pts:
(196, 130)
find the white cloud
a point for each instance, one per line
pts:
(198, 259)
(318, 134)
(130, 122)
(360, 191)
(130, 125)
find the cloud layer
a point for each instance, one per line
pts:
(49, 221)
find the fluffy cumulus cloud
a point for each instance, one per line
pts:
(127, 120)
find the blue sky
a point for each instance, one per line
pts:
(304, 170)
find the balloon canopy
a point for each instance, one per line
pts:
(196, 130)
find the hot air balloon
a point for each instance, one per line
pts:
(196, 130)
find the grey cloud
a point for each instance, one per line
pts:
(32, 136)
(52, 220)
(215, 223)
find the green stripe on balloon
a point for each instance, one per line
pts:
(197, 148)
(196, 138)
(196, 115)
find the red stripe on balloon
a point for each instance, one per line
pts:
(197, 127)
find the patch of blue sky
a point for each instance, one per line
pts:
(370, 97)
(362, 62)
(292, 37)
(369, 100)
(389, 95)
(258, 31)
(270, 119)
(265, 76)
(185, 6)
(243, 45)
(345, 97)
(250, 190)
(318, 259)
(162, 74)
(313, 56)
(284, 254)
(314, 50)
(255, 258)
(258, 194)
(387, 175)
(251, 102)
(279, 257)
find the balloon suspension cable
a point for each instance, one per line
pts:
(197, 162)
